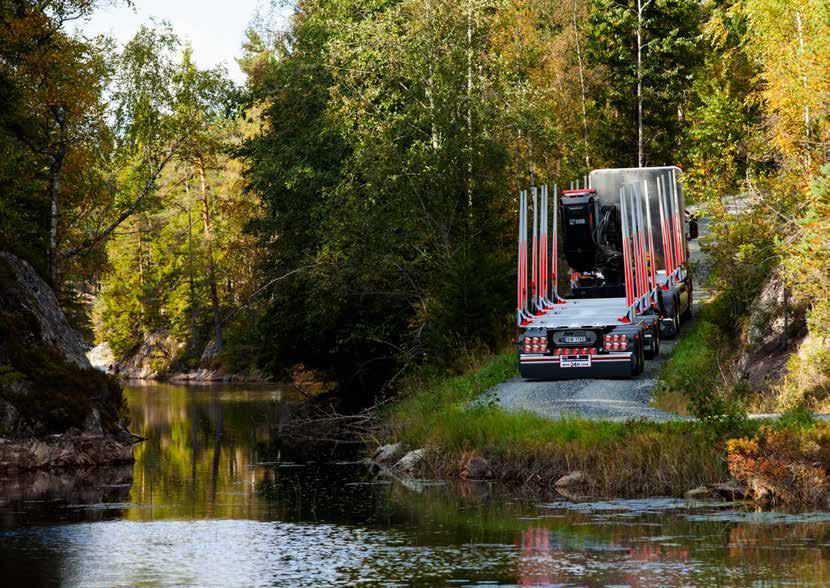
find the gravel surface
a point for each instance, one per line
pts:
(602, 399)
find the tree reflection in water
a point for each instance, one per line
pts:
(216, 497)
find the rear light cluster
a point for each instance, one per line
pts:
(536, 344)
(575, 351)
(616, 342)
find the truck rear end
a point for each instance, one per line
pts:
(623, 240)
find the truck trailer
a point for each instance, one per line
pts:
(624, 236)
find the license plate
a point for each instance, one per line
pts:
(573, 362)
(576, 339)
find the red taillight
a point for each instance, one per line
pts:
(535, 340)
(616, 337)
(623, 338)
(557, 351)
(527, 348)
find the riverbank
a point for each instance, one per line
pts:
(633, 458)
(781, 463)
(68, 450)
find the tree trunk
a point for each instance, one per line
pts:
(582, 87)
(470, 107)
(431, 92)
(640, 157)
(801, 65)
(141, 273)
(190, 279)
(206, 221)
(55, 169)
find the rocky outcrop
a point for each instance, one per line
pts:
(47, 385)
(573, 480)
(766, 347)
(153, 357)
(730, 490)
(158, 355)
(23, 292)
(71, 450)
(102, 358)
(387, 454)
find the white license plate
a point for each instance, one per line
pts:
(573, 362)
(576, 339)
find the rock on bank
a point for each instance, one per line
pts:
(47, 385)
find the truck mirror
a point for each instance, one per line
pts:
(693, 231)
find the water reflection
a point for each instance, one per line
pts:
(202, 450)
(213, 499)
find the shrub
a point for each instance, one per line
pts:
(784, 465)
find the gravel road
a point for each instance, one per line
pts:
(602, 399)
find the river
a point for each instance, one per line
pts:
(212, 500)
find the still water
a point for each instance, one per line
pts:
(212, 501)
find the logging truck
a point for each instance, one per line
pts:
(625, 283)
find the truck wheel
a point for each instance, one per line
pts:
(656, 336)
(687, 314)
(676, 323)
(639, 362)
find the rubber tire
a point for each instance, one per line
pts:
(687, 314)
(675, 324)
(656, 352)
(640, 362)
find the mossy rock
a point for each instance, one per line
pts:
(46, 388)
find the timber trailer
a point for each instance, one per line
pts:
(624, 237)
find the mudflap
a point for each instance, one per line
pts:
(618, 365)
(650, 334)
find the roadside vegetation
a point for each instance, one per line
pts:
(782, 462)
(635, 458)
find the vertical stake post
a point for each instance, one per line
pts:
(652, 263)
(626, 256)
(555, 244)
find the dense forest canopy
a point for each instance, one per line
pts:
(352, 208)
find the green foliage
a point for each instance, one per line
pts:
(721, 415)
(671, 54)
(798, 417)
(392, 194)
(693, 365)
(186, 243)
